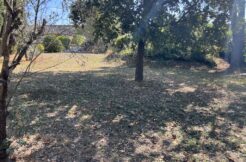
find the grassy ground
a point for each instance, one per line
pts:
(89, 110)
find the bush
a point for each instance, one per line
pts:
(65, 41)
(122, 42)
(127, 52)
(78, 40)
(40, 47)
(52, 44)
(202, 58)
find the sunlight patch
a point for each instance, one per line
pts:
(26, 146)
(73, 112)
(103, 142)
(85, 117)
(148, 143)
(53, 114)
(186, 89)
(159, 142)
(173, 135)
(118, 118)
(182, 89)
(35, 121)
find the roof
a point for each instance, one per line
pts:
(68, 30)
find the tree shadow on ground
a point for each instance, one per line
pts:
(105, 115)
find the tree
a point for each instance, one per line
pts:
(238, 30)
(78, 40)
(179, 29)
(200, 30)
(13, 21)
(111, 20)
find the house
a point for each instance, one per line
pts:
(67, 30)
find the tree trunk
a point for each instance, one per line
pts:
(139, 61)
(3, 97)
(4, 76)
(26, 57)
(238, 28)
(3, 114)
(242, 31)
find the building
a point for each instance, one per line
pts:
(67, 30)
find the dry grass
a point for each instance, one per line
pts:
(60, 62)
(96, 112)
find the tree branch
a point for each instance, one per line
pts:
(8, 6)
(186, 12)
(24, 50)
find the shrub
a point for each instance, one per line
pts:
(202, 58)
(78, 40)
(52, 44)
(112, 56)
(40, 47)
(65, 41)
(122, 41)
(127, 52)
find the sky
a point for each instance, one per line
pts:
(60, 16)
(55, 9)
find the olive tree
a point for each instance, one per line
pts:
(13, 22)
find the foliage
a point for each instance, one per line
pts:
(78, 40)
(127, 52)
(66, 41)
(40, 47)
(170, 31)
(52, 44)
(122, 42)
(202, 58)
(202, 30)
